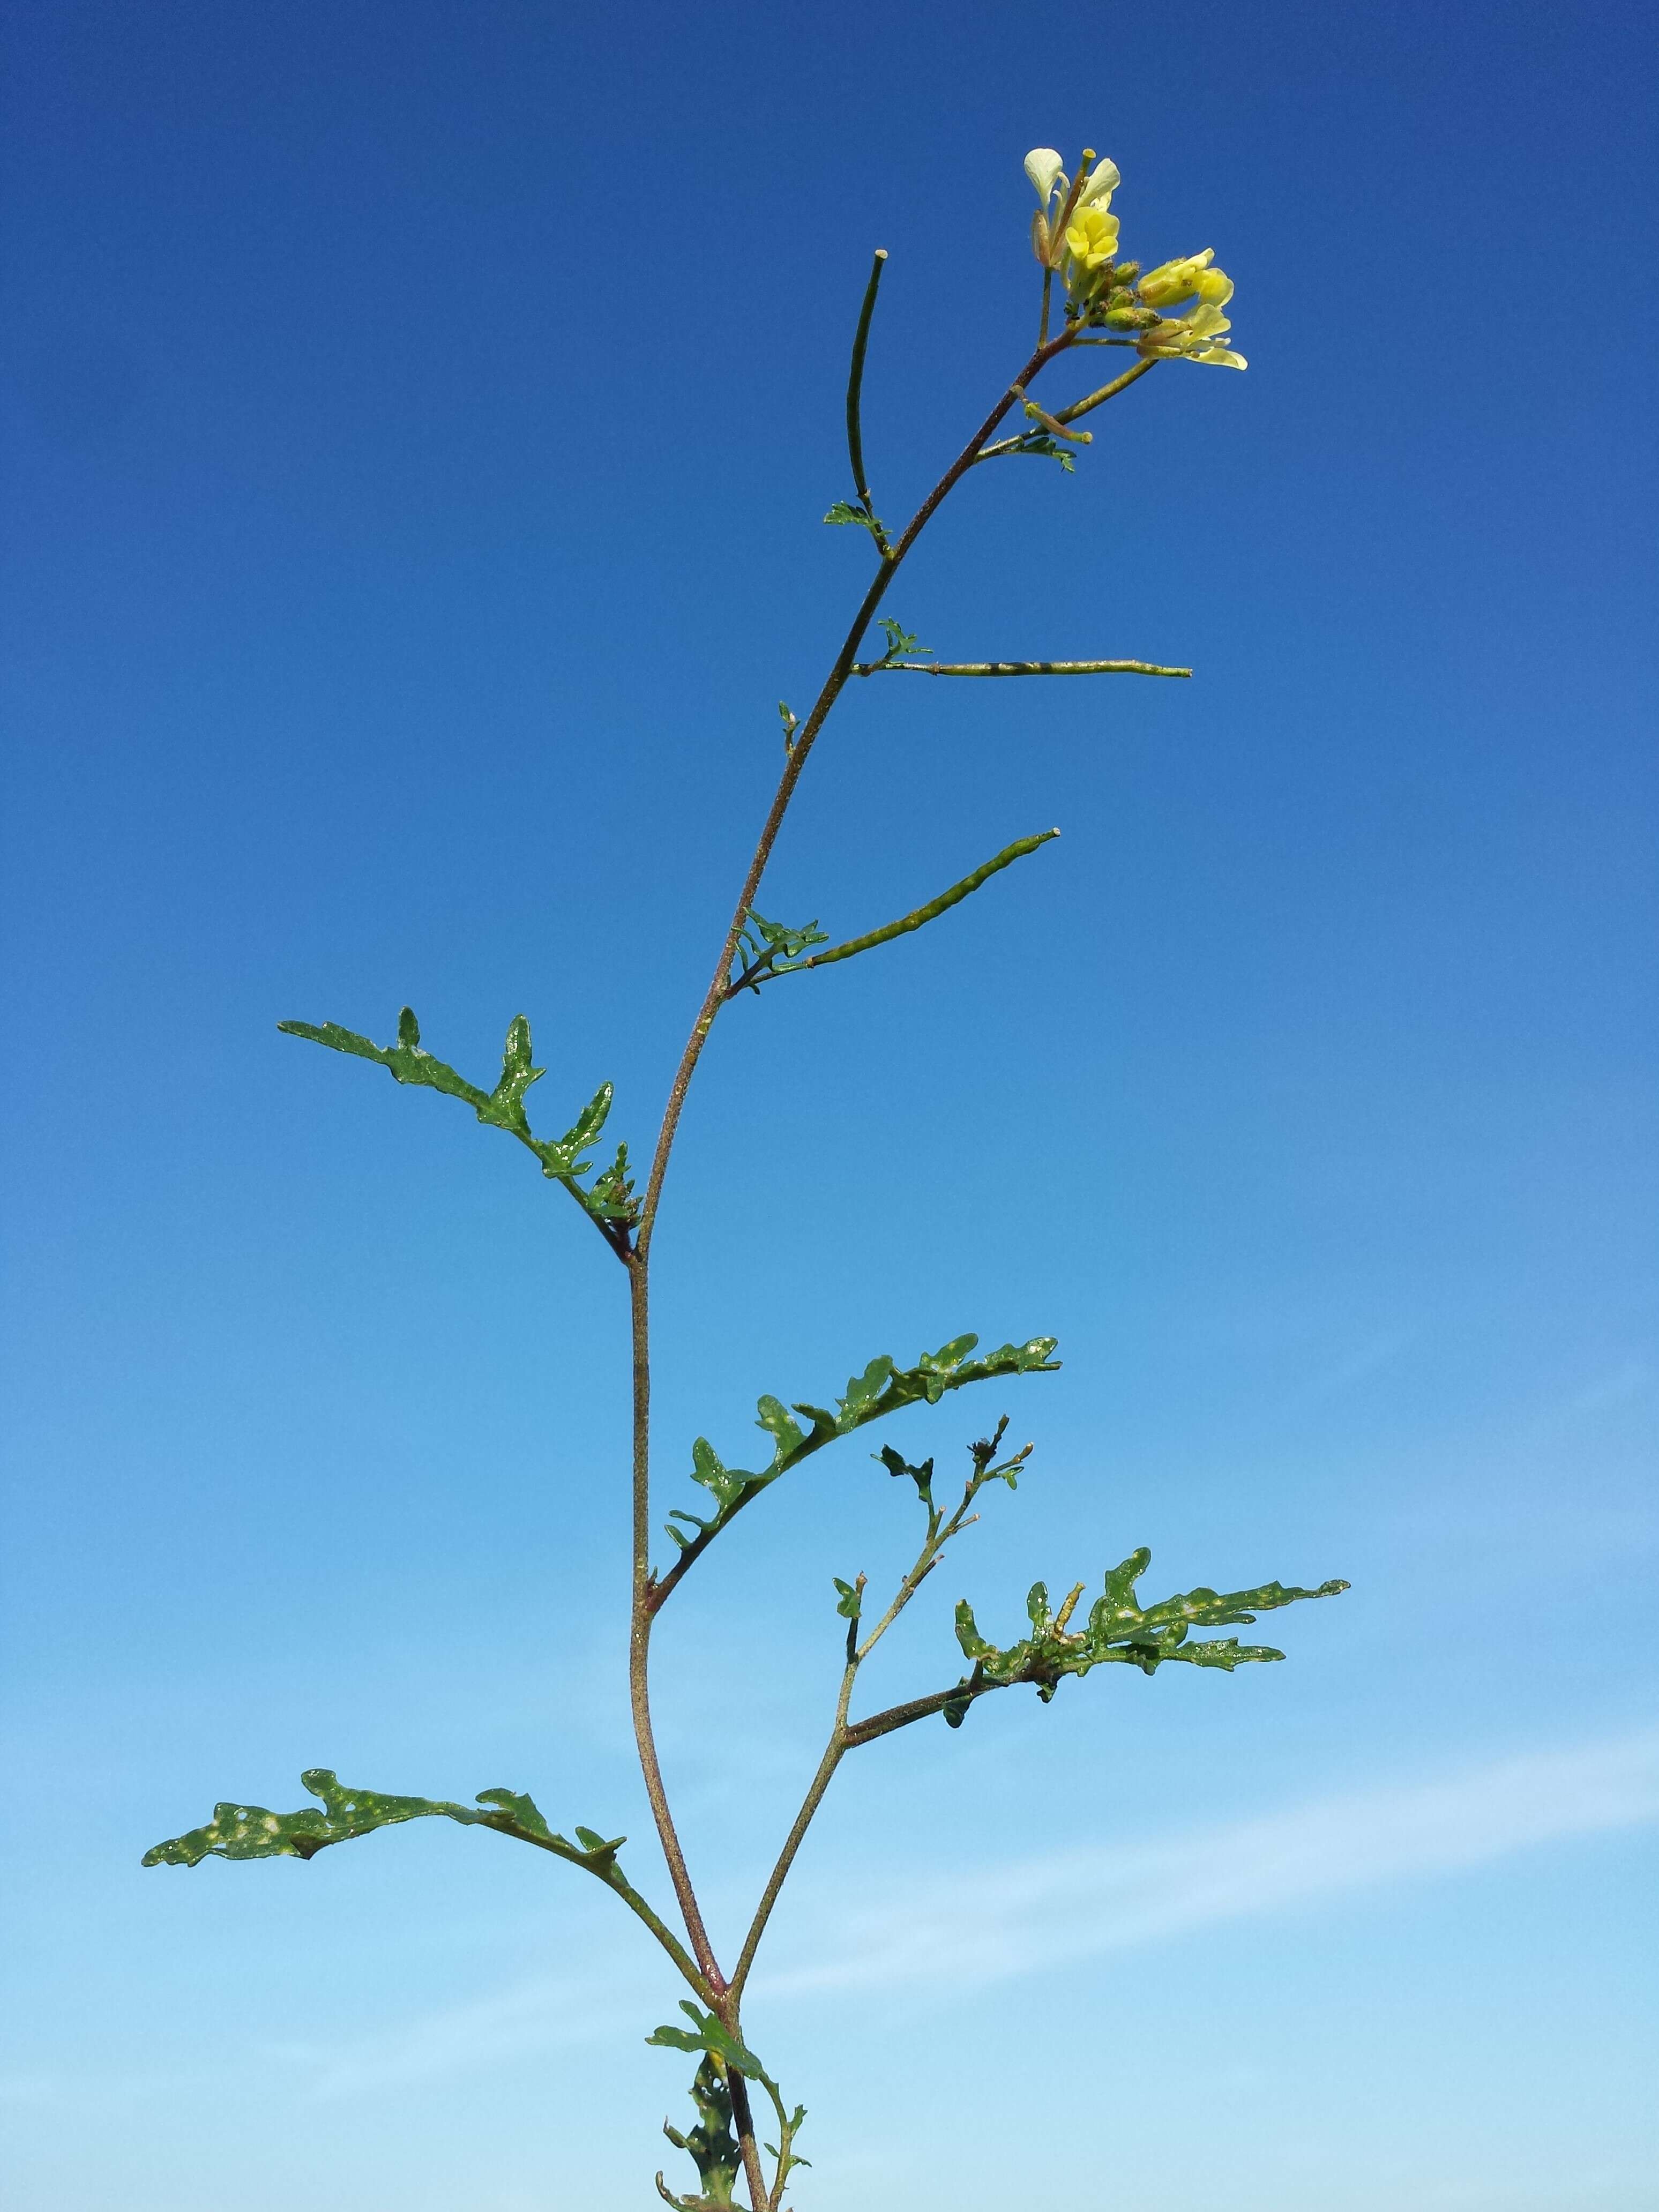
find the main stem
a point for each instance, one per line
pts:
(726, 1996)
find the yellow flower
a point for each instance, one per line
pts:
(1047, 171)
(1053, 187)
(1189, 278)
(1195, 336)
(1091, 235)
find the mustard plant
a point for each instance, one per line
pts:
(1091, 295)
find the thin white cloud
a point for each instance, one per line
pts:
(1376, 1352)
(542, 2013)
(1618, 1388)
(1033, 1912)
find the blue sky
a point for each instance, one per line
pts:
(417, 424)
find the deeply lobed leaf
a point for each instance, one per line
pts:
(610, 1200)
(882, 1388)
(1120, 1630)
(707, 2032)
(711, 2144)
(253, 1831)
(843, 511)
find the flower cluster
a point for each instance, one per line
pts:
(1172, 313)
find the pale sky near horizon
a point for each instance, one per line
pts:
(416, 425)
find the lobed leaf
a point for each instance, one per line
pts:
(709, 2033)
(767, 948)
(882, 1388)
(1119, 1631)
(253, 1831)
(611, 1198)
(711, 2144)
(922, 1476)
(844, 511)
(1052, 448)
(900, 640)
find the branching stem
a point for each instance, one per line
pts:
(843, 1734)
(724, 1997)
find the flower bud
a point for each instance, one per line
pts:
(1190, 278)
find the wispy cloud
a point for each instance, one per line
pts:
(1618, 1387)
(1027, 1915)
(1031, 1913)
(1379, 1350)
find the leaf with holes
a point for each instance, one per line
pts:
(1118, 1630)
(882, 1388)
(253, 1831)
(610, 1201)
(711, 2144)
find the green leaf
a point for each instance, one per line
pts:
(900, 641)
(711, 2143)
(882, 1388)
(773, 1416)
(1119, 1631)
(708, 2034)
(767, 948)
(611, 1198)
(253, 1832)
(523, 1812)
(844, 511)
(1052, 448)
(850, 1604)
(922, 1476)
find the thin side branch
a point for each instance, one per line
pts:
(918, 1709)
(941, 1527)
(1017, 668)
(942, 904)
(831, 1759)
(854, 395)
(762, 970)
(1080, 406)
(614, 1880)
